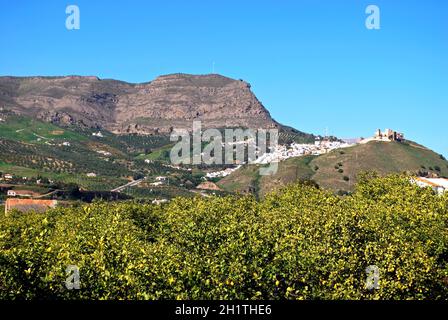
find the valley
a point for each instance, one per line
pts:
(79, 138)
(35, 154)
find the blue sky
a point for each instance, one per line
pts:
(312, 63)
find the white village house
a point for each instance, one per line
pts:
(98, 134)
(22, 193)
(439, 185)
(157, 201)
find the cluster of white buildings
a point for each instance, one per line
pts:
(161, 180)
(222, 173)
(283, 152)
(104, 153)
(98, 134)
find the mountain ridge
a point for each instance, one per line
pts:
(167, 102)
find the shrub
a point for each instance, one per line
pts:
(346, 178)
(138, 175)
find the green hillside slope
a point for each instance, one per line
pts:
(29, 130)
(338, 169)
(32, 148)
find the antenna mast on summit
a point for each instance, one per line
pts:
(213, 67)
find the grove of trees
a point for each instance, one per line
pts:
(298, 243)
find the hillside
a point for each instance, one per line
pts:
(32, 148)
(170, 101)
(46, 126)
(338, 169)
(382, 157)
(36, 149)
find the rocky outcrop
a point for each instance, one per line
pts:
(170, 101)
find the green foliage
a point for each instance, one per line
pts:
(138, 175)
(298, 243)
(29, 147)
(19, 128)
(288, 135)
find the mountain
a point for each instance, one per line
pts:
(338, 169)
(48, 127)
(170, 101)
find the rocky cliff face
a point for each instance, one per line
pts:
(171, 101)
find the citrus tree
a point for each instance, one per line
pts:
(298, 243)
